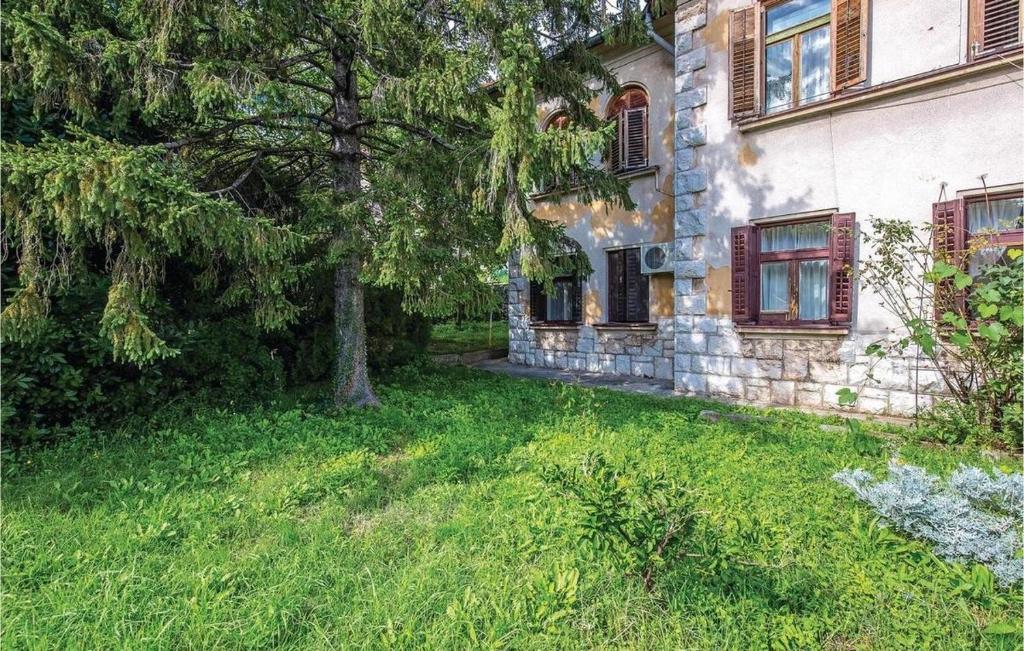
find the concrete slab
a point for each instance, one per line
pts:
(625, 383)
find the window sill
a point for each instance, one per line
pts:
(792, 332)
(855, 97)
(626, 327)
(624, 175)
(545, 325)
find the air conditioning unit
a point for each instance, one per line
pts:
(656, 258)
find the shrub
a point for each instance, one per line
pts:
(971, 329)
(644, 522)
(973, 517)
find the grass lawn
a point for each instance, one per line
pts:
(468, 337)
(426, 523)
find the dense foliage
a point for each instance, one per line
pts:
(427, 524)
(974, 338)
(391, 142)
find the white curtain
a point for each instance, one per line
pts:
(814, 65)
(813, 290)
(794, 236)
(560, 301)
(995, 215)
(775, 286)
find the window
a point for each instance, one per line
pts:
(788, 53)
(993, 26)
(629, 113)
(561, 120)
(628, 289)
(563, 305)
(972, 233)
(795, 273)
(797, 53)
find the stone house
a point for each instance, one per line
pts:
(757, 149)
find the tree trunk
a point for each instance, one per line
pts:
(351, 378)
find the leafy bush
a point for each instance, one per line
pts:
(971, 329)
(973, 517)
(645, 522)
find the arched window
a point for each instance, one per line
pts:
(561, 120)
(629, 112)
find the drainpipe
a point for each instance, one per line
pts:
(649, 24)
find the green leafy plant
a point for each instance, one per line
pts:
(969, 327)
(644, 522)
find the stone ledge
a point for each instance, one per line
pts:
(626, 327)
(572, 327)
(791, 333)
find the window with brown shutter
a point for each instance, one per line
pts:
(628, 288)
(561, 120)
(993, 26)
(562, 305)
(972, 233)
(629, 111)
(784, 54)
(794, 273)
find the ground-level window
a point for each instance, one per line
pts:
(793, 273)
(563, 303)
(628, 288)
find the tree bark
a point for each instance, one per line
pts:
(351, 378)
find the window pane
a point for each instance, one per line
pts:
(779, 76)
(813, 290)
(995, 215)
(560, 301)
(775, 287)
(981, 260)
(791, 14)
(814, 65)
(794, 236)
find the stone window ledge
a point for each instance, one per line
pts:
(541, 325)
(626, 327)
(803, 332)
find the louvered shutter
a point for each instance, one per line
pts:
(949, 238)
(634, 138)
(637, 288)
(744, 274)
(842, 239)
(743, 61)
(577, 299)
(538, 302)
(616, 145)
(616, 289)
(994, 25)
(849, 43)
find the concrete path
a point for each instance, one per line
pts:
(647, 386)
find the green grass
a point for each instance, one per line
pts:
(468, 337)
(425, 524)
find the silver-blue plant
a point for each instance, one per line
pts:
(973, 517)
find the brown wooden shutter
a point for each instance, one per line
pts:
(949, 238)
(993, 25)
(849, 43)
(577, 299)
(842, 239)
(637, 288)
(616, 286)
(744, 33)
(538, 302)
(616, 146)
(744, 274)
(634, 150)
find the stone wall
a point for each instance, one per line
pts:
(798, 371)
(641, 351)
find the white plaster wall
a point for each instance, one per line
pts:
(597, 227)
(882, 159)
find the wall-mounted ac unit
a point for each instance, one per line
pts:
(656, 258)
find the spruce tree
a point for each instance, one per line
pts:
(397, 138)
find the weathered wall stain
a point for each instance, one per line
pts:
(662, 301)
(716, 34)
(746, 155)
(719, 284)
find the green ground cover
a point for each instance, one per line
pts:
(427, 524)
(468, 337)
